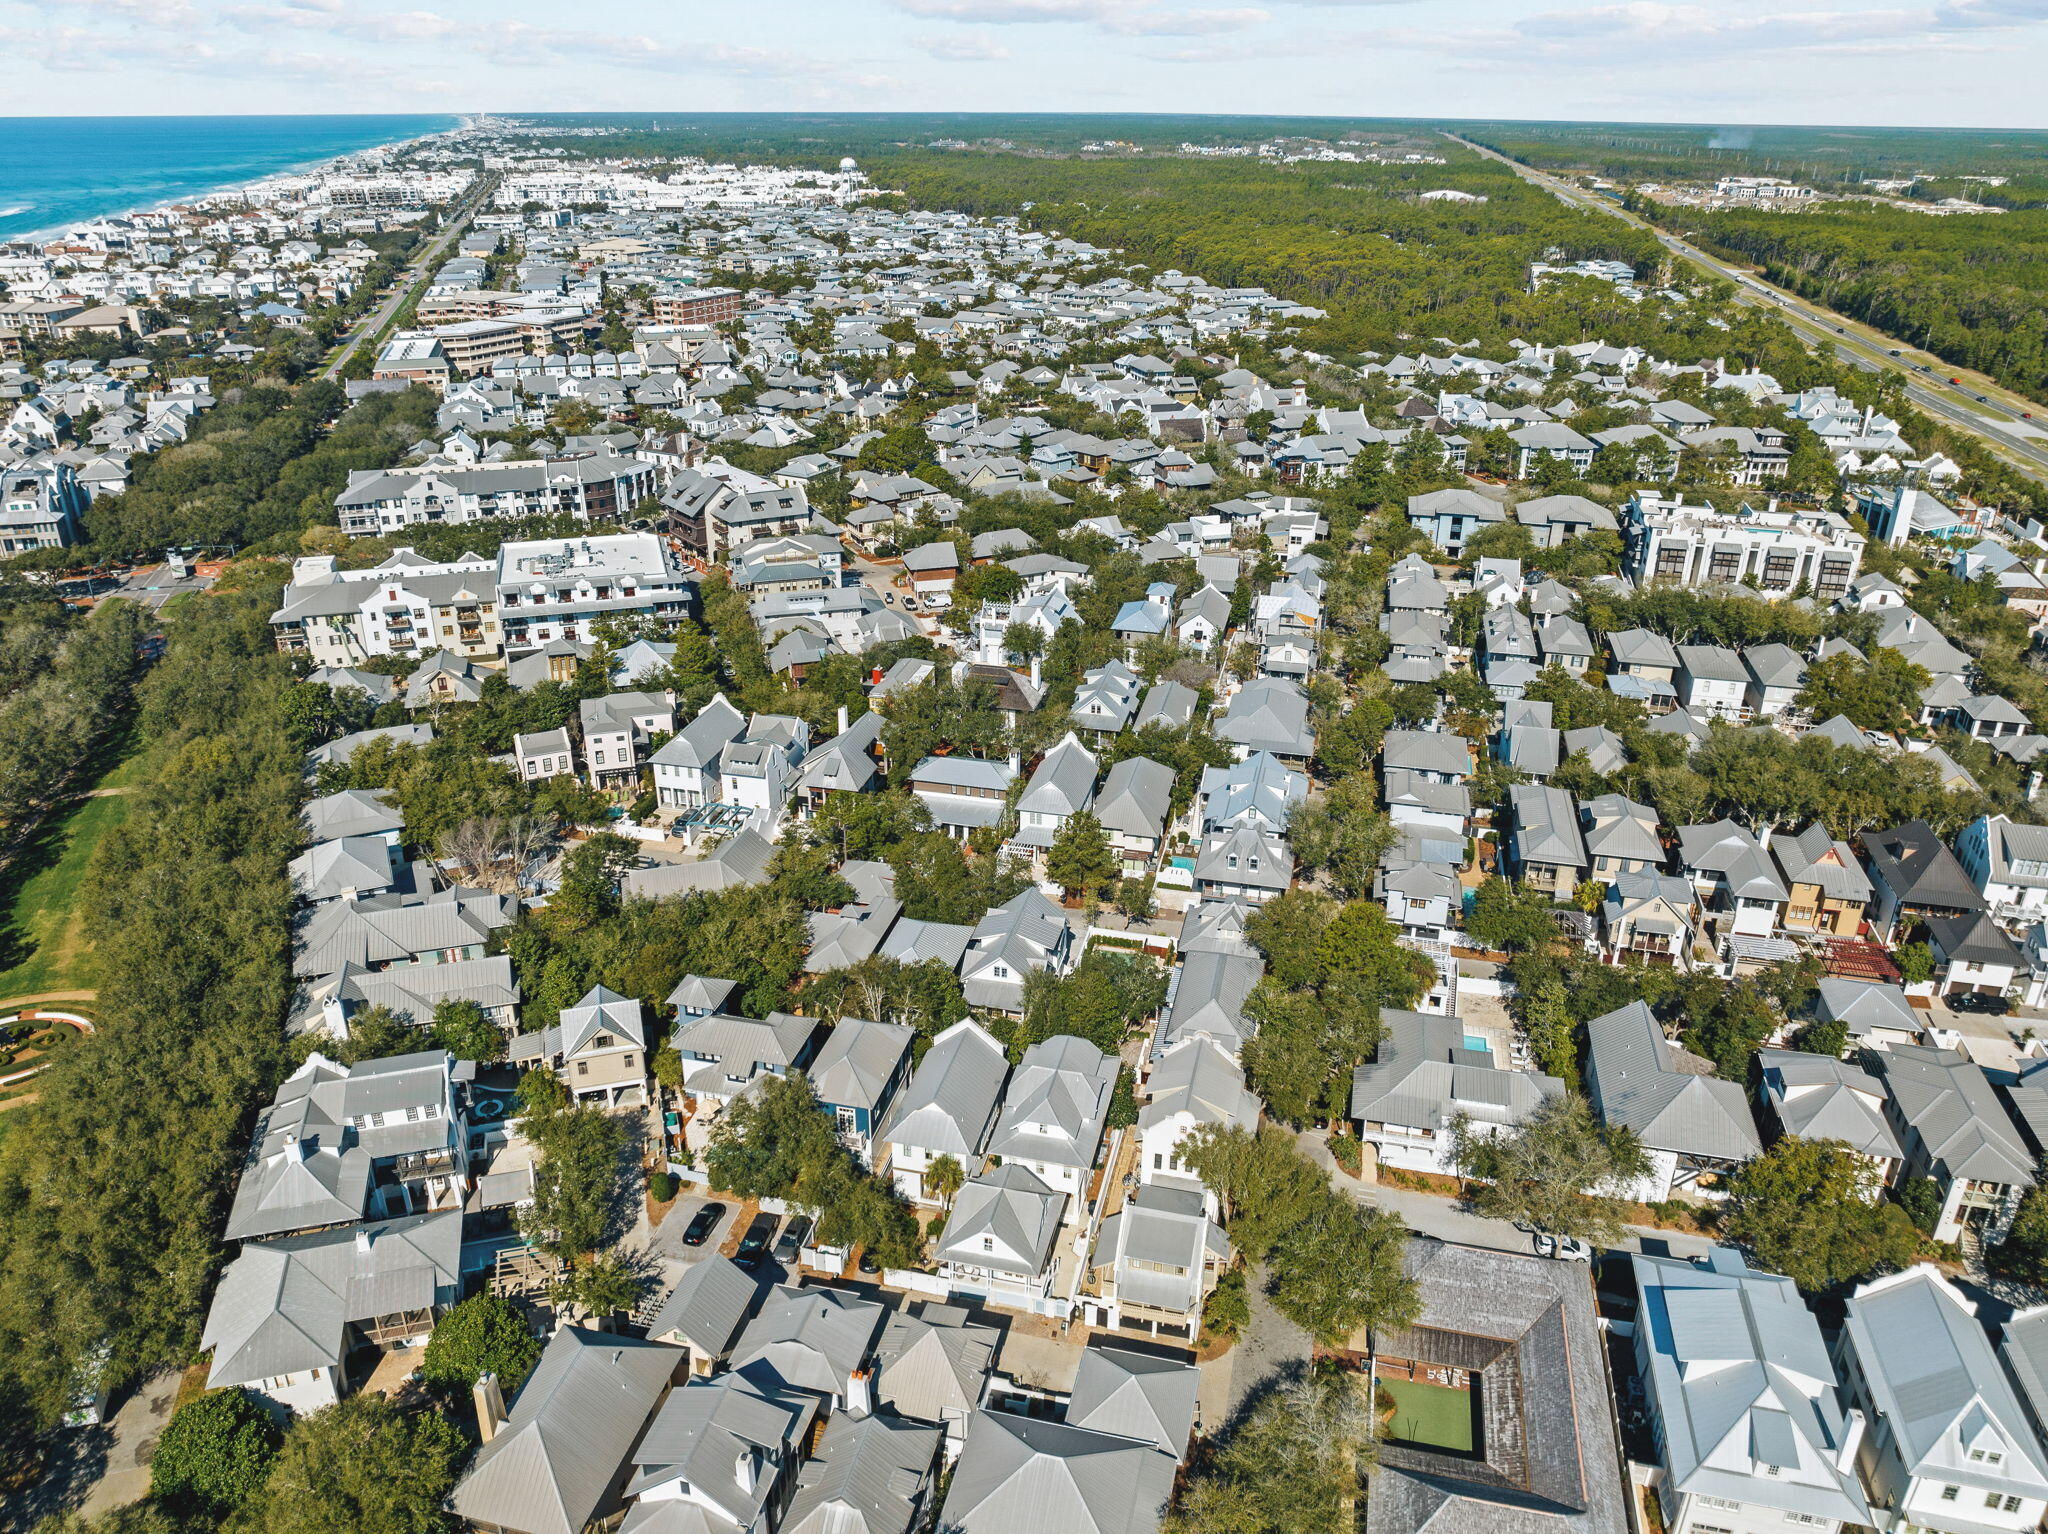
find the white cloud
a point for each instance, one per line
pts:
(1125, 18)
(965, 48)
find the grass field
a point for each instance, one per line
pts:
(43, 945)
(1434, 1415)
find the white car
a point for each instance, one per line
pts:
(1563, 1248)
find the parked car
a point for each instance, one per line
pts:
(754, 1244)
(1978, 1001)
(789, 1246)
(1563, 1248)
(868, 1264)
(702, 1223)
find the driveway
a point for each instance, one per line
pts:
(97, 1469)
(1272, 1348)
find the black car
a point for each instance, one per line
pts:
(754, 1244)
(1978, 1001)
(702, 1223)
(790, 1244)
(868, 1264)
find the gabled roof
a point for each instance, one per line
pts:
(858, 1061)
(1027, 1475)
(1919, 869)
(1013, 1208)
(866, 1476)
(950, 1105)
(1135, 1395)
(707, 1307)
(935, 1364)
(808, 1339)
(1632, 1081)
(571, 1429)
(1949, 1107)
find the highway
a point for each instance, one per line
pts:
(416, 273)
(1970, 405)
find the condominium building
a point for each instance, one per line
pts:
(1776, 551)
(601, 486)
(698, 306)
(555, 588)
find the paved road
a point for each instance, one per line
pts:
(1271, 1348)
(154, 585)
(1959, 404)
(415, 274)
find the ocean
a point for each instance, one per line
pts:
(57, 171)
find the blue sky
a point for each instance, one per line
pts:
(1970, 63)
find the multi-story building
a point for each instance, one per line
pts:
(1676, 544)
(40, 507)
(715, 508)
(589, 487)
(402, 606)
(1744, 1408)
(698, 306)
(559, 588)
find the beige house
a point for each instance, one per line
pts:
(599, 1048)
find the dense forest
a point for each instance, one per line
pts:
(1971, 288)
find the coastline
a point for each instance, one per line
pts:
(299, 168)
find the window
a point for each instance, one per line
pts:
(1950, 1493)
(1992, 1499)
(2012, 1504)
(583, 1067)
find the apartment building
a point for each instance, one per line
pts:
(698, 306)
(1676, 544)
(558, 588)
(601, 486)
(404, 605)
(40, 507)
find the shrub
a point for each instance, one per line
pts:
(483, 1335)
(663, 1186)
(214, 1454)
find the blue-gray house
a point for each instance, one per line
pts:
(857, 1076)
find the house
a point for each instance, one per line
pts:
(1649, 916)
(705, 1311)
(1713, 683)
(1133, 807)
(867, 1475)
(1107, 698)
(1026, 1473)
(1645, 668)
(1950, 1449)
(1522, 1334)
(1154, 1262)
(1243, 863)
(1060, 787)
(933, 1365)
(1192, 1085)
(1694, 1128)
(1827, 890)
(964, 794)
(1026, 933)
(720, 1454)
(288, 1312)
(1776, 673)
(932, 568)
(1541, 441)
(598, 1048)
(1956, 1130)
(1620, 836)
(1975, 955)
(1254, 789)
(1428, 1075)
(1268, 714)
(1206, 994)
(563, 1456)
(816, 1340)
(1738, 884)
(723, 1054)
(544, 754)
(1876, 1015)
(1916, 876)
(2008, 866)
(1546, 849)
(998, 1240)
(1745, 1411)
(338, 1144)
(741, 859)
(1054, 1110)
(948, 1110)
(1449, 517)
(347, 869)
(1818, 1097)
(686, 768)
(1553, 520)
(857, 1074)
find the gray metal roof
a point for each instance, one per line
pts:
(935, 1365)
(1055, 1104)
(1135, 1395)
(707, 1307)
(808, 1339)
(1818, 1097)
(869, 1475)
(858, 1061)
(1010, 1207)
(1934, 1379)
(1423, 1077)
(1630, 1081)
(1952, 1113)
(950, 1105)
(1026, 1475)
(1739, 1379)
(551, 1466)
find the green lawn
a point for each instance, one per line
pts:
(1434, 1415)
(42, 934)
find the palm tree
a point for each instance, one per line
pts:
(944, 1177)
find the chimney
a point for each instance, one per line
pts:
(490, 1407)
(363, 1240)
(842, 719)
(1034, 671)
(860, 1393)
(745, 1471)
(1852, 1439)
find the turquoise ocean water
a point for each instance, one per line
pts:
(58, 170)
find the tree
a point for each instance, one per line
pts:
(541, 1094)
(2022, 1256)
(1338, 1270)
(1731, 1028)
(944, 1177)
(1560, 1170)
(1508, 917)
(362, 1467)
(1081, 860)
(461, 1028)
(1263, 1183)
(764, 1144)
(1811, 1209)
(576, 1184)
(1878, 693)
(1921, 1198)
(589, 890)
(1286, 931)
(483, 1335)
(1546, 1016)
(1343, 835)
(1294, 1464)
(214, 1454)
(604, 1286)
